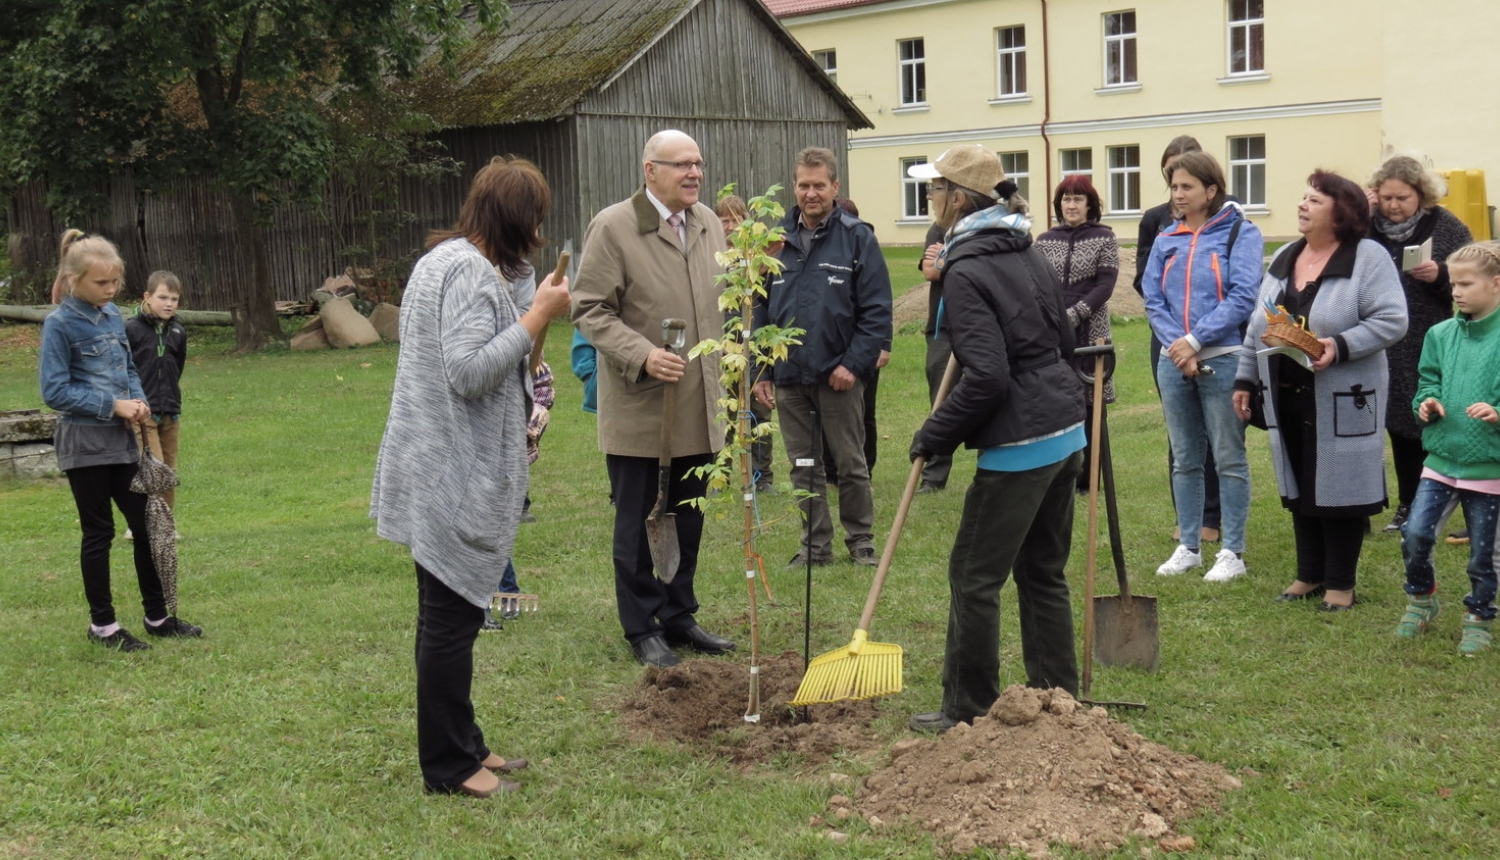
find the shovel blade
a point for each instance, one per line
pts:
(1127, 632)
(661, 534)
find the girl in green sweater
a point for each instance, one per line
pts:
(1457, 392)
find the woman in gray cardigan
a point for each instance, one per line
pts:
(1326, 423)
(450, 477)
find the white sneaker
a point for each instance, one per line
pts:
(1182, 560)
(128, 535)
(1227, 566)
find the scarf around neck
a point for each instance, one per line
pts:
(992, 218)
(1398, 233)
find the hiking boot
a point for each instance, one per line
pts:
(800, 560)
(1398, 522)
(1420, 612)
(1458, 538)
(1227, 565)
(1182, 561)
(936, 722)
(864, 555)
(120, 640)
(1477, 636)
(174, 628)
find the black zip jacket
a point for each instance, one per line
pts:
(839, 291)
(1003, 311)
(159, 349)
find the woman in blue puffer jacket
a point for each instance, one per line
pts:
(1200, 286)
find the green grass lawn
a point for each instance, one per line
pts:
(288, 731)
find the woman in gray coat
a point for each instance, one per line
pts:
(1326, 422)
(450, 478)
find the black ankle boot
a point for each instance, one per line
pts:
(1399, 520)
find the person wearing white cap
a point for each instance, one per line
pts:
(1020, 406)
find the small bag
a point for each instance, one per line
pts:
(1257, 417)
(153, 477)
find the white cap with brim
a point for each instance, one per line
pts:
(968, 165)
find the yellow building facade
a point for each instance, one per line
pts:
(1273, 88)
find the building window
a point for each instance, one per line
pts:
(1010, 61)
(1247, 37)
(828, 61)
(1247, 169)
(1077, 162)
(913, 71)
(913, 191)
(1124, 179)
(1017, 169)
(1119, 48)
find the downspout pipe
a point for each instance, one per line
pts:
(1046, 114)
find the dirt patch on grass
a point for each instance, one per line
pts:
(1041, 770)
(701, 703)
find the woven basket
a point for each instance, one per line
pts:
(1290, 334)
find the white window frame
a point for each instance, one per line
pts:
(1017, 167)
(911, 81)
(1125, 44)
(1123, 164)
(1249, 28)
(914, 203)
(1244, 169)
(1076, 170)
(1010, 64)
(828, 60)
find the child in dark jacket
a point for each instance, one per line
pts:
(1457, 393)
(158, 343)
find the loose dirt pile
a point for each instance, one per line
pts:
(701, 703)
(1041, 769)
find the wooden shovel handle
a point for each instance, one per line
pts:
(950, 377)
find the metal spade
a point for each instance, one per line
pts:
(661, 524)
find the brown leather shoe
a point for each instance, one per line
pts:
(505, 765)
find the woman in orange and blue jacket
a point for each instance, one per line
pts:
(1200, 286)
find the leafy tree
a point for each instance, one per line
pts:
(234, 89)
(744, 352)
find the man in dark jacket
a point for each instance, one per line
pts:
(1020, 406)
(835, 286)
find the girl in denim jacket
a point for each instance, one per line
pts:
(87, 375)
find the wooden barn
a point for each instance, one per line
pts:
(575, 85)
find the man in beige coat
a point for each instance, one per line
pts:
(647, 259)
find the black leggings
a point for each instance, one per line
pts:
(1328, 549)
(94, 487)
(1408, 455)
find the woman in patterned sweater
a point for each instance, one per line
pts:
(1086, 257)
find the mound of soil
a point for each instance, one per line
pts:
(1041, 770)
(701, 703)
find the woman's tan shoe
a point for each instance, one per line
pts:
(505, 765)
(484, 784)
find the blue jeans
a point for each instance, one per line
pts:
(1430, 510)
(1200, 415)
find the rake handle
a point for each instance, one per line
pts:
(950, 377)
(1093, 525)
